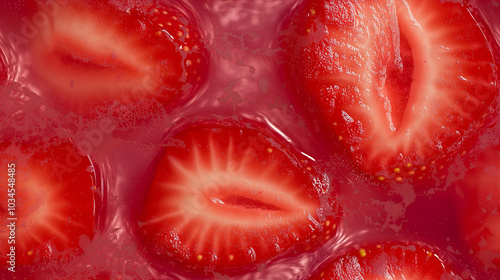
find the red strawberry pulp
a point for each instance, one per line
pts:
(479, 192)
(145, 52)
(398, 83)
(244, 89)
(249, 197)
(51, 203)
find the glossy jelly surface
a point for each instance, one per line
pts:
(240, 83)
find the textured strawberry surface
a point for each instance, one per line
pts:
(388, 261)
(52, 204)
(144, 51)
(399, 83)
(245, 173)
(229, 196)
(479, 190)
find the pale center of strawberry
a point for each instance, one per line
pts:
(248, 203)
(399, 80)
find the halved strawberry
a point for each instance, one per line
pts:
(388, 261)
(47, 201)
(90, 52)
(226, 197)
(400, 83)
(480, 192)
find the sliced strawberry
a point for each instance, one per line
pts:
(388, 261)
(229, 197)
(480, 192)
(48, 199)
(91, 52)
(400, 83)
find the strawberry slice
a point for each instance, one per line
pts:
(400, 84)
(228, 197)
(388, 261)
(480, 193)
(91, 52)
(48, 203)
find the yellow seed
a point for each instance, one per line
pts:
(334, 123)
(30, 253)
(441, 167)
(411, 173)
(185, 48)
(328, 232)
(160, 25)
(308, 168)
(423, 168)
(269, 150)
(174, 18)
(198, 60)
(156, 11)
(231, 257)
(334, 226)
(313, 12)
(420, 177)
(314, 236)
(188, 62)
(433, 162)
(362, 253)
(399, 179)
(199, 257)
(158, 33)
(378, 246)
(308, 30)
(179, 33)
(327, 237)
(408, 164)
(322, 275)
(397, 170)
(165, 12)
(429, 253)
(169, 23)
(340, 137)
(328, 223)
(381, 178)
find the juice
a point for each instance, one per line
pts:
(244, 80)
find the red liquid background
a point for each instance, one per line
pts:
(245, 80)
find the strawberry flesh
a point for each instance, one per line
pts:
(480, 202)
(387, 261)
(53, 201)
(399, 84)
(94, 52)
(230, 197)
